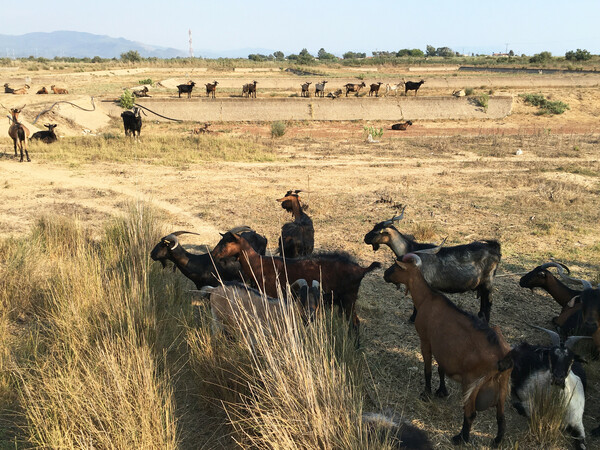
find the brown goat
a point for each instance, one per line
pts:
(465, 347)
(42, 91)
(19, 133)
(340, 277)
(305, 92)
(21, 91)
(297, 237)
(402, 126)
(351, 87)
(374, 89)
(58, 90)
(211, 88)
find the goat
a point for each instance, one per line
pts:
(401, 126)
(203, 129)
(570, 317)
(305, 92)
(8, 89)
(231, 301)
(465, 347)
(249, 89)
(393, 87)
(21, 91)
(58, 90)
(186, 89)
(42, 91)
(19, 133)
(461, 268)
(211, 88)
(339, 275)
(459, 93)
(374, 88)
(351, 87)
(47, 136)
(320, 89)
(132, 122)
(201, 269)
(401, 433)
(537, 366)
(412, 86)
(336, 94)
(297, 237)
(141, 92)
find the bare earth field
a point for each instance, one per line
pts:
(460, 179)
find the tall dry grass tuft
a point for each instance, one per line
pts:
(97, 373)
(288, 385)
(546, 422)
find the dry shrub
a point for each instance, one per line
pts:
(547, 407)
(424, 231)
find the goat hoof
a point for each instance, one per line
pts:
(441, 393)
(458, 439)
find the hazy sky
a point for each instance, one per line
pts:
(528, 26)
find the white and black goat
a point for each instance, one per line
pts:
(461, 268)
(201, 269)
(132, 122)
(537, 367)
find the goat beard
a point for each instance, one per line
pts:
(375, 247)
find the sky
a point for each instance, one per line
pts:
(466, 26)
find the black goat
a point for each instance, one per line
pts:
(132, 121)
(400, 433)
(536, 367)
(186, 88)
(412, 86)
(211, 88)
(374, 89)
(297, 237)
(462, 268)
(401, 126)
(200, 268)
(320, 89)
(47, 136)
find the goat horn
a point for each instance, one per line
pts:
(432, 251)
(179, 233)
(389, 222)
(316, 284)
(558, 265)
(415, 257)
(572, 340)
(553, 335)
(586, 284)
(240, 229)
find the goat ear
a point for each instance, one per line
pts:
(572, 301)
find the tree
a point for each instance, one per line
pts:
(511, 53)
(430, 51)
(354, 55)
(304, 57)
(323, 55)
(445, 52)
(540, 57)
(96, 59)
(579, 55)
(131, 56)
(279, 56)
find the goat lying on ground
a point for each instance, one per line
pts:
(402, 434)
(47, 136)
(374, 89)
(42, 91)
(305, 92)
(141, 92)
(461, 268)
(57, 90)
(132, 122)
(232, 302)
(335, 94)
(211, 88)
(537, 367)
(19, 133)
(21, 91)
(401, 126)
(8, 89)
(186, 89)
(339, 275)
(465, 347)
(351, 87)
(570, 317)
(412, 86)
(320, 89)
(297, 237)
(200, 268)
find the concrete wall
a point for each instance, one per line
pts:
(270, 109)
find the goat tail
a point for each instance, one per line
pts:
(21, 134)
(493, 380)
(373, 266)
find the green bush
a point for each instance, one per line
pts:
(483, 100)
(374, 132)
(545, 106)
(469, 91)
(127, 100)
(278, 129)
(146, 81)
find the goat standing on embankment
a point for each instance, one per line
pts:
(19, 133)
(186, 89)
(305, 92)
(320, 88)
(211, 89)
(374, 89)
(465, 347)
(352, 87)
(412, 86)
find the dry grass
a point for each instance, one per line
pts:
(548, 407)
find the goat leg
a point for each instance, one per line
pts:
(463, 436)
(426, 353)
(413, 316)
(485, 307)
(501, 421)
(442, 391)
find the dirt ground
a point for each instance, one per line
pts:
(460, 179)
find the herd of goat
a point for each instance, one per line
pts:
(238, 275)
